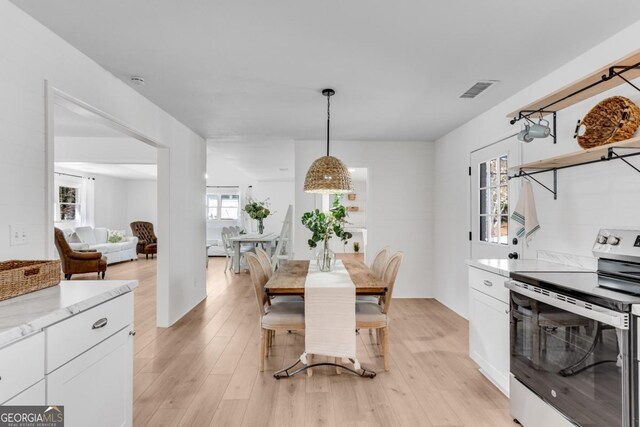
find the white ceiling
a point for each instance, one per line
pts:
(128, 171)
(256, 68)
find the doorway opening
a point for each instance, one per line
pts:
(101, 177)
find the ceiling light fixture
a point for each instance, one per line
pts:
(328, 175)
(137, 80)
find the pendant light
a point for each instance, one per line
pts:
(328, 175)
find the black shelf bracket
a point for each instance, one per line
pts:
(611, 155)
(527, 175)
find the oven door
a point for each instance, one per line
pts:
(574, 355)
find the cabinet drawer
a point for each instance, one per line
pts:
(71, 337)
(489, 283)
(21, 365)
(34, 395)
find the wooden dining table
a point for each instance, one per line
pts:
(291, 275)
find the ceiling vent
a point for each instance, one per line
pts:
(478, 88)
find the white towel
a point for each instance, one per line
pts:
(330, 313)
(525, 213)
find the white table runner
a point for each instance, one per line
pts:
(330, 313)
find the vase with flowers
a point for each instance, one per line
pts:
(324, 226)
(258, 211)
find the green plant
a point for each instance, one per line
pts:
(356, 247)
(325, 225)
(257, 210)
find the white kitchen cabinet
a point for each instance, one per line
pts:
(489, 326)
(79, 355)
(21, 365)
(34, 395)
(96, 387)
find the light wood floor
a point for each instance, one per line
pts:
(203, 371)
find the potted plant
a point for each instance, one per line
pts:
(356, 247)
(324, 226)
(258, 211)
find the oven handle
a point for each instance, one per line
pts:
(582, 308)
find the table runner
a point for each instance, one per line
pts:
(330, 315)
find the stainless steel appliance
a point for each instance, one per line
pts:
(573, 340)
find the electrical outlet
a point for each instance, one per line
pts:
(18, 235)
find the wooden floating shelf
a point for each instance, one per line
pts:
(556, 98)
(577, 158)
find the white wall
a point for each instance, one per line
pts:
(31, 54)
(110, 203)
(400, 211)
(142, 203)
(589, 197)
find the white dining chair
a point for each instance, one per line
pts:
(279, 316)
(376, 316)
(229, 251)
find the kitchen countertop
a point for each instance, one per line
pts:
(504, 267)
(24, 315)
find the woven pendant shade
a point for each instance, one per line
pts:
(328, 175)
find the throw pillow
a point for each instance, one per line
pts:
(115, 236)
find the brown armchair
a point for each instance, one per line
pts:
(75, 262)
(147, 240)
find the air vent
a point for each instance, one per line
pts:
(478, 88)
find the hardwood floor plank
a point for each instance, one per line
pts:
(204, 369)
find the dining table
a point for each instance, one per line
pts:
(267, 239)
(300, 277)
(291, 276)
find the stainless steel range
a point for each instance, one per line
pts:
(574, 339)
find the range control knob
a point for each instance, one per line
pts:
(601, 239)
(613, 240)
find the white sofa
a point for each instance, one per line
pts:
(96, 238)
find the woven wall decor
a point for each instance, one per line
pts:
(613, 119)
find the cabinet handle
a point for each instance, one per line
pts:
(488, 283)
(100, 323)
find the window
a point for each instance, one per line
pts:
(230, 206)
(494, 201)
(68, 204)
(212, 206)
(223, 206)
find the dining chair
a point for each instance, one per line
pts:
(283, 316)
(265, 262)
(380, 261)
(376, 316)
(377, 266)
(229, 252)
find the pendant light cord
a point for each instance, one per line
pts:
(328, 120)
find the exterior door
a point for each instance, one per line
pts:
(493, 198)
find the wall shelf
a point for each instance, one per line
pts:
(577, 158)
(616, 151)
(599, 81)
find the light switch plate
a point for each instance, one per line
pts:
(18, 235)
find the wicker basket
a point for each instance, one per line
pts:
(22, 277)
(612, 120)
